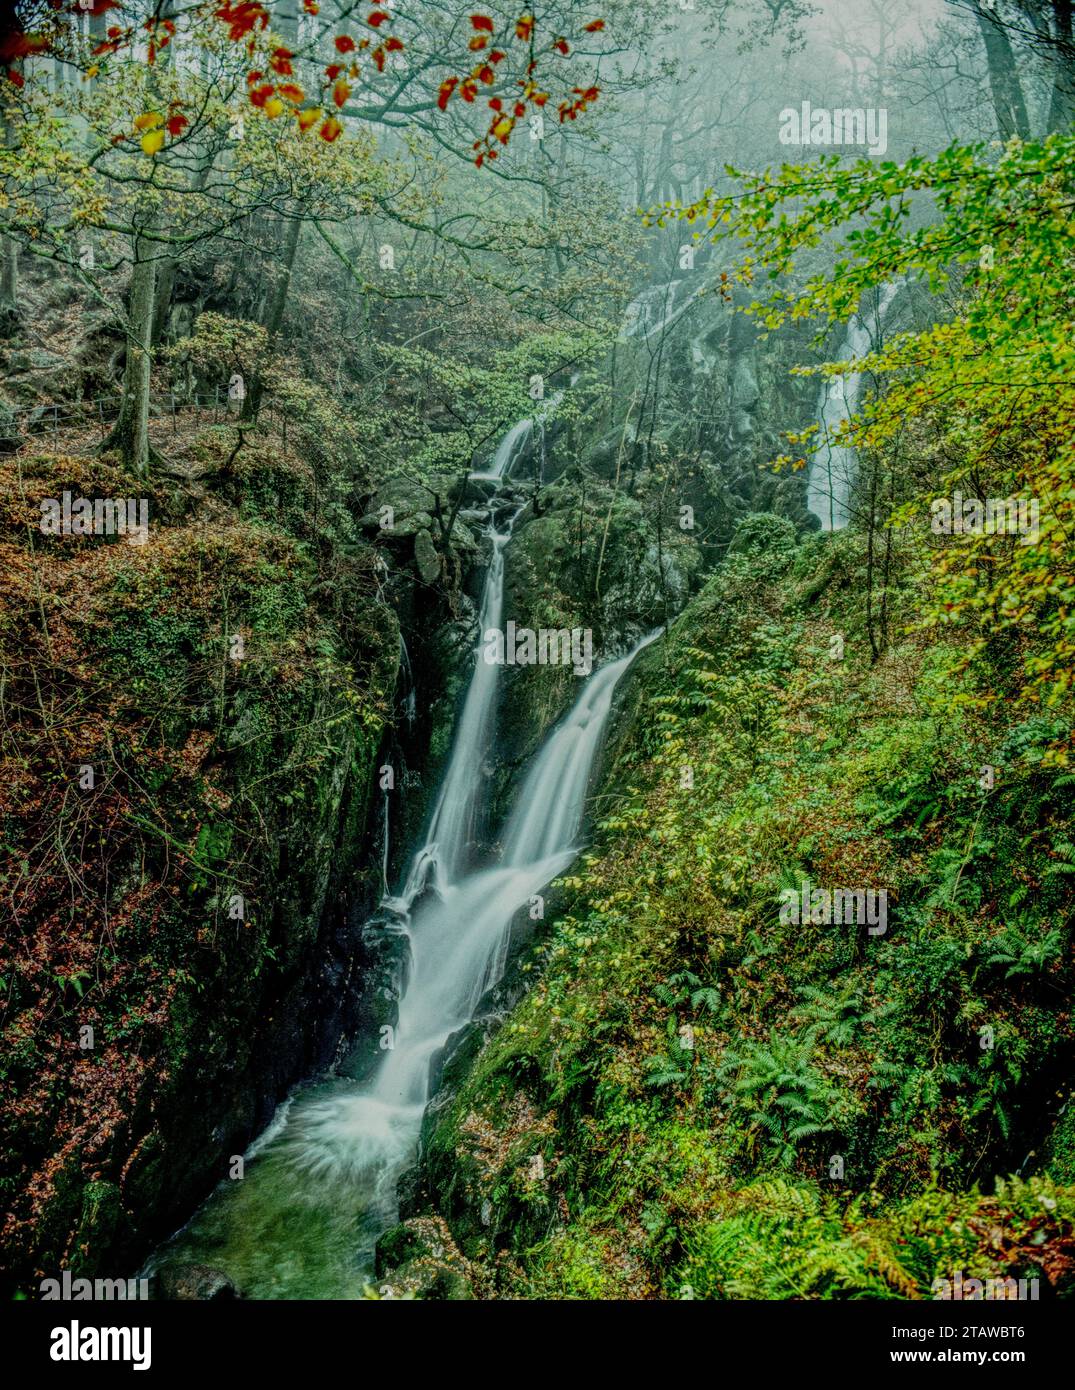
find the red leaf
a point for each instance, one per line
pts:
(481, 21)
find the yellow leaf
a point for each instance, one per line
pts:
(273, 107)
(148, 120)
(152, 141)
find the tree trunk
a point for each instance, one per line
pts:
(9, 285)
(162, 299)
(1004, 85)
(9, 263)
(1062, 100)
(130, 437)
(274, 316)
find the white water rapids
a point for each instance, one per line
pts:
(304, 1220)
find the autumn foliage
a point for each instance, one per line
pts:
(270, 78)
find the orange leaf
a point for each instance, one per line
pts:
(331, 130)
(524, 26)
(308, 118)
(595, 26)
(341, 91)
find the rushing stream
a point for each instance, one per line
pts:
(320, 1183)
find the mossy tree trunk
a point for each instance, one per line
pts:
(130, 436)
(274, 318)
(9, 257)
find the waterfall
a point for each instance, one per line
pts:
(304, 1221)
(657, 308)
(458, 935)
(507, 452)
(832, 466)
(517, 440)
(410, 708)
(454, 822)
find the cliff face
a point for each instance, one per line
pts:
(193, 828)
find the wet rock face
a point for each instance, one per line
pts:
(194, 1283)
(419, 1259)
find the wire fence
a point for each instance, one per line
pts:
(100, 413)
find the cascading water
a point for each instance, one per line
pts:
(304, 1221)
(832, 466)
(517, 440)
(455, 814)
(410, 708)
(657, 308)
(507, 451)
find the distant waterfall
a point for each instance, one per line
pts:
(833, 466)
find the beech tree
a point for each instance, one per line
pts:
(129, 149)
